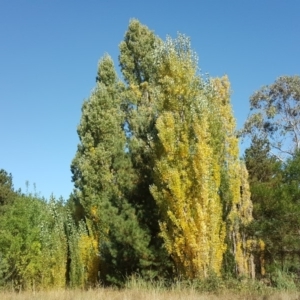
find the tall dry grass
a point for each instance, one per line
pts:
(140, 294)
(136, 288)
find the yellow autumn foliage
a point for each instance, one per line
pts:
(240, 214)
(187, 172)
(89, 258)
(197, 157)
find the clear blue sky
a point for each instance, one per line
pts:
(49, 50)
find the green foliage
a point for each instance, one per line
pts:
(32, 244)
(275, 194)
(104, 178)
(138, 68)
(127, 136)
(136, 60)
(160, 190)
(273, 128)
(83, 256)
(261, 165)
(20, 242)
(54, 244)
(7, 193)
(275, 115)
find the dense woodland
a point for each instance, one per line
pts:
(160, 189)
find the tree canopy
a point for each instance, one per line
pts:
(275, 115)
(159, 188)
(156, 164)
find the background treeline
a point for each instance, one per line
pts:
(160, 190)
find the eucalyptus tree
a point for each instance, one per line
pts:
(275, 115)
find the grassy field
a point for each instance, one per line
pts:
(136, 294)
(137, 289)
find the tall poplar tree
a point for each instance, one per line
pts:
(234, 189)
(187, 175)
(200, 186)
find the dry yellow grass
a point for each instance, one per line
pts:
(136, 294)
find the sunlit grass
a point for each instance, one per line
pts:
(138, 289)
(136, 294)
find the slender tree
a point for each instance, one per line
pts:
(234, 188)
(187, 175)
